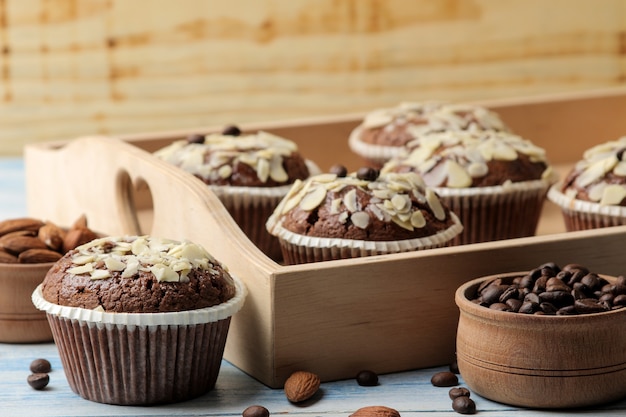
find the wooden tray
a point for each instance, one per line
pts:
(386, 313)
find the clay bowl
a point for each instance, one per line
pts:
(20, 321)
(540, 361)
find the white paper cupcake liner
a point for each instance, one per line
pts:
(302, 249)
(141, 358)
(584, 215)
(376, 155)
(497, 212)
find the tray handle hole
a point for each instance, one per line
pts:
(135, 203)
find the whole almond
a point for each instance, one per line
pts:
(36, 256)
(301, 385)
(375, 411)
(17, 243)
(76, 237)
(80, 223)
(23, 223)
(7, 258)
(52, 235)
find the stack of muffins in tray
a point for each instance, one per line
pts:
(435, 174)
(249, 172)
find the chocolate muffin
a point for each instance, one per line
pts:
(333, 217)
(593, 194)
(495, 181)
(138, 275)
(151, 315)
(384, 133)
(249, 172)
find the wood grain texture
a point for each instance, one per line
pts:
(76, 67)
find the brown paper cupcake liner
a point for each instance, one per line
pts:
(496, 213)
(585, 215)
(140, 358)
(250, 207)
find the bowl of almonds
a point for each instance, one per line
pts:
(28, 249)
(550, 337)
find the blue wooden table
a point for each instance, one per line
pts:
(411, 393)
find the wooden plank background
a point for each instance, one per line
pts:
(75, 67)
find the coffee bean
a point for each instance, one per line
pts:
(528, 307)
(514, 305)
(509, 293)
(454, 367)
(40, 366)
(464, 405)
(458, 392)
(231, 130)
(339, 170)
(620, 300)
(499, 307)
(492, 293)
(367, 378)
(256, 411)
(589, 306)
(38, 381)
(195, 138)
(367, 174)
(444, 379)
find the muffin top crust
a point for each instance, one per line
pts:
(600, 176)
(362, 206)
(138, 274)
(258, 159)
(396, 126)
(472, 159)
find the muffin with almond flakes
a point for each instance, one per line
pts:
(151, 315)
(249, 173)
(329, 216)
(495, 182)
(593, 195)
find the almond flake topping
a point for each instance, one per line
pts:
(395, 197)
(168, 260)
(453, 158)
(214, 159)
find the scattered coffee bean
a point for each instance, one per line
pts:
(367, 378)
(458, 392)
(256, 411)
(550, 290)
(339, 170)
(195, 138)
(231, 130)
(444, 379)
(40, 366)
(367, 174)
(38, 381)
(464, 405)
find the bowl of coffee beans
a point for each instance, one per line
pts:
(551, 337)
